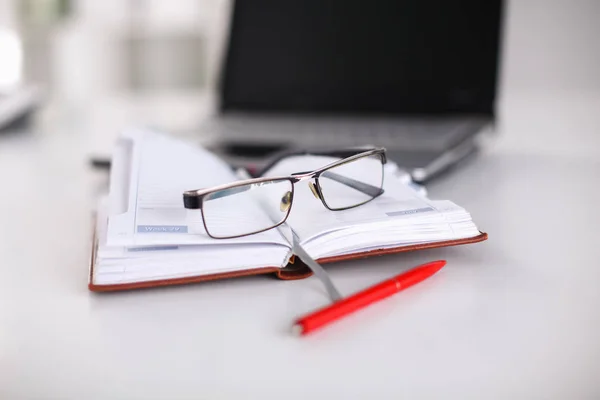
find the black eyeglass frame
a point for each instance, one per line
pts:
(194, 199)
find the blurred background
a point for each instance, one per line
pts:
(90, 68)
(114, 62)
(104, 65)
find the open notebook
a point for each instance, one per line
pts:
(145, 237)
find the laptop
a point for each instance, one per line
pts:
(417, 77)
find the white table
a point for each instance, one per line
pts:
(517, 316)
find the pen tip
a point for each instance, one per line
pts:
(297, 330)
(437, 265)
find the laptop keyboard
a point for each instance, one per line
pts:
(405, 134)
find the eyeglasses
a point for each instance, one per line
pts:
(255, 205)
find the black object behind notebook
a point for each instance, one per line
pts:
(354, 56)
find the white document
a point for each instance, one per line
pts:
(150, 172)
(119, 264)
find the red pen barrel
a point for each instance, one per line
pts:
(346, 306)
(366, 297)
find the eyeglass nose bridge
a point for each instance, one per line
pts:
(314, 188)
(302, 176)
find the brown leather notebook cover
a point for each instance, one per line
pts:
(294, 270)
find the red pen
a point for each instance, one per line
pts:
(366, 297)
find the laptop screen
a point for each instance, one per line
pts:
(356, 56)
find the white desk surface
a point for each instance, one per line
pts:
(517, 316)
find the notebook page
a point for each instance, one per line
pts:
(310, 218)
(117, 265)
(159, 171)
(449, 222)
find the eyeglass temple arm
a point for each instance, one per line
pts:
(354, 184)
(344, 153)
(228, 192)
(192, 202)
(365, 188)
